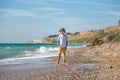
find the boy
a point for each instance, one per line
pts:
(62, 44)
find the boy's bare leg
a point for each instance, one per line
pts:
(64, 57)
(59, 58)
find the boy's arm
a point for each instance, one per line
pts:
(66, 43)
(58, 41)
(58, 44)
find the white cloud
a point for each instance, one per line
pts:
(50, 9)
(47, 2)
(97, 4)
(66, 1)
(54, 16)
(16, 12)
(39, 2)
(67, 20)
(46, 7)
(51, 13)
(112, 13)
(107, 5)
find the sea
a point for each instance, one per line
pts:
(21, 53)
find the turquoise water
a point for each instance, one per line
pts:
(30, 50)
(14, 56)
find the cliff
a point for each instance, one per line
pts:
(112, 28)
(71, 37)
(34, 41)
(85, 37)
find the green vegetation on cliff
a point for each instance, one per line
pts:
(113, 37)
(82, 40)
(106, 37)
(117, 37)
(54, 41)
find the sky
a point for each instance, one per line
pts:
(23, 20)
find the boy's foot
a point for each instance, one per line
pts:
(57, 62)
(64, 61)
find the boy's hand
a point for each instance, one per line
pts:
(66, 48)
(58, 45)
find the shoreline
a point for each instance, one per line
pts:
(86, 63)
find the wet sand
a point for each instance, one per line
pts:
(86, 63)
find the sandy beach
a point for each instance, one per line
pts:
(86, 63)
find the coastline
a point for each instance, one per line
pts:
(86, 63)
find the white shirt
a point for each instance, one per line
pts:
(62, 39)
